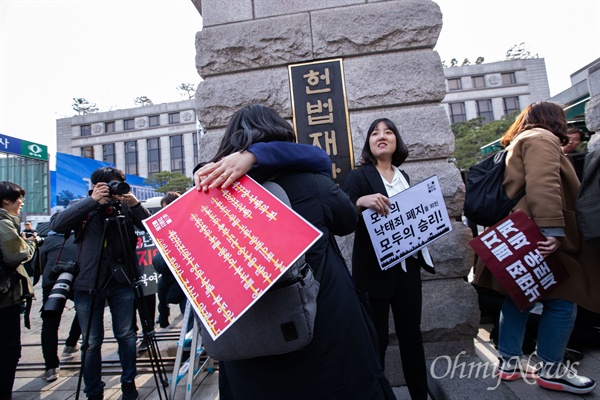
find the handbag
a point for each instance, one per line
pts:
(281, 321)
(486, 201)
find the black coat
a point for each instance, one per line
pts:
(366, 271)
(341, 361)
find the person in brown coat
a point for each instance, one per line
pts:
(536, 164)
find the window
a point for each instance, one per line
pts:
(87, 152)
(131, 158)
(108, 153)
(478, 82)
(195, 139)
(484, 109)
(509, 78)
(177, 161)
(457, 112)
(109, 127)
(86, 130)
(454, 84)
(153, 156)
(154, 120)
(174, 118)
(511, 104)
(128, 124)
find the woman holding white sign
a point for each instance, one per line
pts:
(370, 187)
(536, 164)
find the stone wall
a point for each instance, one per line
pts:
(391, 70)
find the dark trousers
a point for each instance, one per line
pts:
(149, 312)
(50, 326)
(406, 309)
(10, 349)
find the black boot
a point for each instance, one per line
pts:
(129, 391)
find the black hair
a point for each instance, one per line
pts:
(253, 124)
(107, 174)
(401, 152)
(10, 191)
(168, 198)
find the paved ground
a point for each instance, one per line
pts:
(30, 385)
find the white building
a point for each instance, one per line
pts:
(494, 89)
(140, 141)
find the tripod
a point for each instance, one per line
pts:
(129, 273)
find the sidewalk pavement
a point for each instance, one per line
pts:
(468, 378)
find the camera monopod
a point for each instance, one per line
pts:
(133, 278)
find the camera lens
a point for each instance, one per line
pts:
(118, 187)
(59, 293)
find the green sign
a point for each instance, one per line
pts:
(25, 148)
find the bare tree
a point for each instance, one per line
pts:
(520, 52)
(83, 107)
(187, 89)
(143, 101)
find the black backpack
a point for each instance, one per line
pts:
(486, 201)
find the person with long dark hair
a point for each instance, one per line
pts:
(370, 186)
(341, 360)
(535, 163)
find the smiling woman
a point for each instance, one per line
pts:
(398, 287)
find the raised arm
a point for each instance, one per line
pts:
(263, 156)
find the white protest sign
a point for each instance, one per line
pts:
(418, 217)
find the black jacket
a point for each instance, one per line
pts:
(366, 271)
(87, 218)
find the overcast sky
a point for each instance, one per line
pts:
(111, 51)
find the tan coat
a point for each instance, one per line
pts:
(535, 163)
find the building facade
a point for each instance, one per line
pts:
(494, 89)
(140, 141)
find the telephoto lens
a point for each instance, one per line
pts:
(118, 187)
(59, 293)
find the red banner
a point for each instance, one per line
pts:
(509, 250)
(227, 247)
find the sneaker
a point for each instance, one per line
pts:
(143, 346)
(70, 350)
(51, 375)
(563, 379)
(129, 391)
(514, 368)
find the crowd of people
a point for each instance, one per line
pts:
(92, 244)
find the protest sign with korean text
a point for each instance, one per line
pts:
(145, 250)
(417, 217)
(227, 247)
(509, 250)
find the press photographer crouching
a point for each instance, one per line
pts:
(105, 237)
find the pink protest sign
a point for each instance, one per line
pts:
(509, 250)
(227, 247)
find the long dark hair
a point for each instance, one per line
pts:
(401, 152)
(541, 114)
(253, 124)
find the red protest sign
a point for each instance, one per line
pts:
(227, 247)
(509, 250)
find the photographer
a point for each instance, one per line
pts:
(61, 248)
(105, 275)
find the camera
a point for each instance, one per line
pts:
(118, 187)
(66, 271)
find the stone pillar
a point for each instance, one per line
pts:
(592, 108)
(391, 70)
